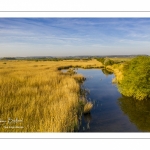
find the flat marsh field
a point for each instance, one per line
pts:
(35, 96)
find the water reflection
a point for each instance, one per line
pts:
(137, 111)
(106, 115)
(87, 118)
(106, 72)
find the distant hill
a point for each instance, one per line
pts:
(65, 57)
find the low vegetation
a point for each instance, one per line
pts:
(87, 107)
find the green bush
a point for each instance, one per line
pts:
(108, 62)
(101, 60)
(136, 80)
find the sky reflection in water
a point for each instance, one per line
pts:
(110, 112)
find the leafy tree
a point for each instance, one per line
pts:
(101, 60)
(108, 62)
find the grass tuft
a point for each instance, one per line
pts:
(87, 107)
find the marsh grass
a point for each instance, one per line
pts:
(87, 107)
(117, 70)
(37, 93)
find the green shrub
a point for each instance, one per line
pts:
(108, 62)
(101, 60)
(136, 80)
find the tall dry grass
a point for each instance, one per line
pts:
(36, 97)
(117, 70)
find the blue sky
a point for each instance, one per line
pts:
(74, 36)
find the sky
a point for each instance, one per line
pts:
(22, 37)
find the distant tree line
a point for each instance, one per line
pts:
(8, 58)
(47, 59)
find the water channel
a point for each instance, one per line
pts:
(112, 112)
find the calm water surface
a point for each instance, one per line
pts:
(106, 115)
(112, 112)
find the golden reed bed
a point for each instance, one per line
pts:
(37, 97)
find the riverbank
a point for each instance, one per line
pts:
(133, 77)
